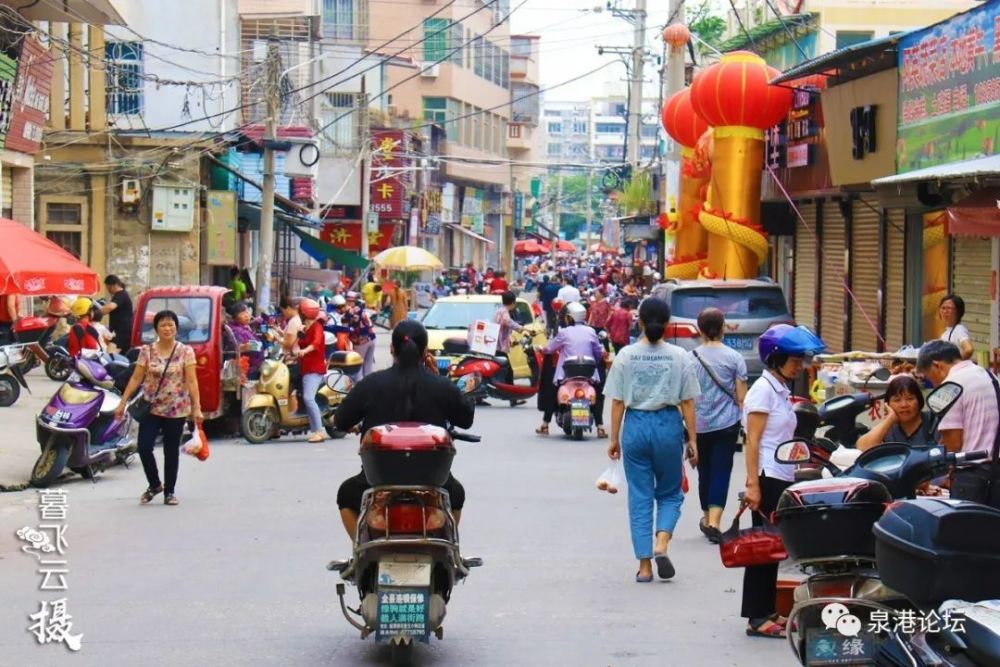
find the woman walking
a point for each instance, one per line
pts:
(722, 374)
(652, 387)
(769, 420)
(165, 370)
(312, 362)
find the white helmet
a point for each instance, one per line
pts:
(339, 301)
(576, 312)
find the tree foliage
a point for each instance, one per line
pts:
(709, 26)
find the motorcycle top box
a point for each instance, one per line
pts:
(579, 367)
(933, 549)
(455, 346)
(407, 453)
(348, 361)
(828, 518)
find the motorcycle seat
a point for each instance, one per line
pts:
(982, 630)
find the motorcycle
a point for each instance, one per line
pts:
(405, 558)
(840, 413)
(78, 429)
(575, 397)
(492, 369)
(266, 413)
(12, 358)
(826, 527)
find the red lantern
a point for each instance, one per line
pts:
(737, 91)
(676, 35)
(680, 121)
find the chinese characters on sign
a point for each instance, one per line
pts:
(52, 623)
(402, 612)
(31, 97)
(392, 175)
(793, 143)
(949, 90)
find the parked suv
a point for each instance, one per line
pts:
(750, 307)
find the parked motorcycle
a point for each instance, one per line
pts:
(11, 374)
(78, 429)
(266, 412)
(826, 526)
(406, 558)
(493, 370)
(575, 397)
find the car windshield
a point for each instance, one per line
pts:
(193, 313)
(458, 314)
(752, 303)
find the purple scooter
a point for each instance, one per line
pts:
(78, 428)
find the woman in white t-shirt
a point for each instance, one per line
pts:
(769, 421)
(951, 310)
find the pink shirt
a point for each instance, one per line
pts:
(975, 412)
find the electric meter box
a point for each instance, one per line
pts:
(173, 208)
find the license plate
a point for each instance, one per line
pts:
(739, 342)
(403, 612)
(830, 648)
(392, 573)
(579, 412)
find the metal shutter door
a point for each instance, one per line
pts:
(804, 266)
(971, 266)
(866, 280)
(7, 176)
(895, 277)
(831, 320)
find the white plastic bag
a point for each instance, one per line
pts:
(194, 445)
(612, 479)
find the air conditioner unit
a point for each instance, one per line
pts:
(131, 191)
(429, 70)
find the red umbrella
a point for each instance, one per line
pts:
(565, 246)
(31, 264)
(528, 247)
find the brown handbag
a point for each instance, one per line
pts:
(747, 547)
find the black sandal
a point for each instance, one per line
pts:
(170, 499)
(149, 494)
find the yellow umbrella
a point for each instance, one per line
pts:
(407, 258)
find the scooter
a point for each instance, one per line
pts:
(826, 527)
(78, 428)
(266, 411)
(11, 373)
(491, 369)
(576, 396)
(405, 559)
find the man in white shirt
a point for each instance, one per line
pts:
(971, 424)
(568, 293)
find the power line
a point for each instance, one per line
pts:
(739, 19)
(788, 31)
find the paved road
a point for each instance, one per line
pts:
(234, 575)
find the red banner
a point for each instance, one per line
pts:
(347, 235)
(391, 178)
(31, 97)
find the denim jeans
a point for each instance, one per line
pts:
(715, 465)
(367, 352)
(652, 453)
(311, 382)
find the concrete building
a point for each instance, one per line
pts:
(525, 139)
(459, 79)
(595, 130)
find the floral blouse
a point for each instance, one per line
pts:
(173, 399)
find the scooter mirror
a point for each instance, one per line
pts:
(941, 399)
(882, 374)
(338, 382)
(793, 451)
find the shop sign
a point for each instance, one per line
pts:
(433, 225)
(793, 143)
(30, 105)
(347, 235)
(342, 213)
(219, 236)
(8, 70)
(518, 213)
(863, 131)
(949, 91)
(472, 210)
(391, 176)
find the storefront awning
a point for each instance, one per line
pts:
(955, 171)
(976, 215)
(468, 232)
(320, 250)
(835, 60)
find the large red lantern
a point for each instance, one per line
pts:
(737, 92)
(681, 122)
(676, 35)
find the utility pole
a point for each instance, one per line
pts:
(272, 93)
(635, 85)
(366, 172)
(590, 212)
(555, 214)
(672, 82)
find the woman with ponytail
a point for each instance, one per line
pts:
(409, 390)
(652, 386)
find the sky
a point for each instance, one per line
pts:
(571, 30)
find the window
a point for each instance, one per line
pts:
(488, 132)
(553, 112)
(609, 128)
(467, 122)
(194, 315)
(555, 128)
(649, 131)
(619, 110)
(338, 19)
(851, 37)
(435, 39)
(520, 47)
(646, 152)
(442, 110)
(505, 69)
(469, 49)
(489, 53)
(477, 55)
(457, 44)
(737, 304)
(579, 127)
(124, 77)
(341, 135)
(498, 55)
(477, 132)
(64, 222)
(498, 141)
(554, 149)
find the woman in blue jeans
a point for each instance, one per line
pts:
(652, 387)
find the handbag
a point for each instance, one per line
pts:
(748, 547)
(980, 482)
(141, 407)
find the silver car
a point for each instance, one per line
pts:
(750, 307)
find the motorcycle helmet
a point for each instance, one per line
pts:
(789, 340)
(576, 312)
(339, 301)
(81, 306)
(352, 296)
(309, 309)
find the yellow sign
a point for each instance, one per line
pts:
(219, 239)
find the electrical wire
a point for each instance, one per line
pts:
(787, 30)
(739, 19)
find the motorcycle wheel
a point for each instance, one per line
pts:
(333, 432)
(10, 391)
(58, 368)
(578, 433)
(402, 653)
(49, 465)
(257, 425)
(86, 472)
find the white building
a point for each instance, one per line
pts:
(594, 130)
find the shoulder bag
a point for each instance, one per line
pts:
(141, 407)
(980, 482)
(725, 390)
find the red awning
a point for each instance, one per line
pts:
(976, 215)
(30, 264)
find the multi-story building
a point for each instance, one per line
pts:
(455, 74)
(594, 131)
(525, 140)
(567, 131)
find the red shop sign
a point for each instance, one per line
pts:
(391, 181)
(347, 235)
(31, 97)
